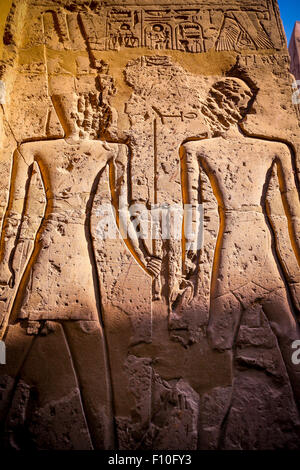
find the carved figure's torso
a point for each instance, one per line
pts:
(64, 259)
(238, 180)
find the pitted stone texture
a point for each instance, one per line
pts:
(117, 342)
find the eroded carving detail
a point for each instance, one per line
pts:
(148, 344)
(190, 29)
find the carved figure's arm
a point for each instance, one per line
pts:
(190, 195)
(13, 214)
(127, 228)
(291, 203)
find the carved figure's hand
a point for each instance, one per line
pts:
(191, 261)
(5, 276)
(154, 265)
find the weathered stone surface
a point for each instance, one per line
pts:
(262, 428)
(124, 330)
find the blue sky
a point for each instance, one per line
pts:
(290, 13)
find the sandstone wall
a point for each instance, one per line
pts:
(156, 342)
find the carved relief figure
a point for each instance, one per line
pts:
(69, 182)
(245, 272)
(66, 220)
(154, 79)
(60, 281)
(158, 36)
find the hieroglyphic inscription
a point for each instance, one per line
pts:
(196, 28)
